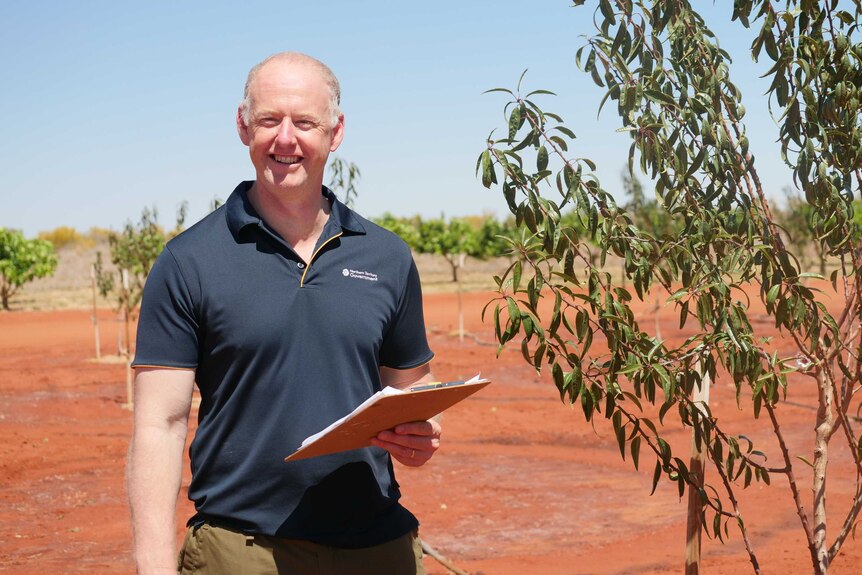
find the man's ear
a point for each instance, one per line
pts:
(242, 127)
(337, 134)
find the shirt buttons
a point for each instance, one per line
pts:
(300, 265)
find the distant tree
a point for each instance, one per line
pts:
(479, 237)
(134, 251)
(646, 213)
(455, 239)
(451, 239)
(406, 228)
(494, 237)
(796, 218)
(22, 261)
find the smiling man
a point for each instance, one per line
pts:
(287, 310)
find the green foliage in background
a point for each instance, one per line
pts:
(663, 71)
(406, 228)
(134, 249)
(796, 220)
(22, 261)
(453, 239)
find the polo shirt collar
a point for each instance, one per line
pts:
(240, 213)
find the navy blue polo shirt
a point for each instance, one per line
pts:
(281, 348)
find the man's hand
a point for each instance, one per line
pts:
(412, 444)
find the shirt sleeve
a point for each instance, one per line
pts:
(405, 344)
(168, 329)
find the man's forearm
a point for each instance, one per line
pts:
(154, 475)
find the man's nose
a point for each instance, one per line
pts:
(286, 132)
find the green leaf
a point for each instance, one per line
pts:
(678, 295)
(607, 11)
(620, 432)
(664, 409)
(559, 379)
(515, 121)
(542, 159)
(635, 448)
(695, 165)
(656, 475)
(488, 175)
(566, 131)
(594, 72)
(660, 98)
(582, 324)
(772, 294)
(505, 90)
(516, 276)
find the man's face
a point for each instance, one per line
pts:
(289, 132)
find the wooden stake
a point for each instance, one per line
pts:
(95, 314)
(130, 402)
(697, 467)
(461, 260)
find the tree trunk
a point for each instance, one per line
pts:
(454, 264)
(462, 259)
(697, 468)
(821, 459)
(5, 292)
(95, 312)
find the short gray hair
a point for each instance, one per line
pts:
(296, 57)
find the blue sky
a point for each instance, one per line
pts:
(109, 107)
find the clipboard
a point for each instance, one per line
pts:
(384, 410)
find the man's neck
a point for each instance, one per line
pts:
(298, 218)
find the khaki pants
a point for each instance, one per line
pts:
(211, 550)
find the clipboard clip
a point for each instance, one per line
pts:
(436, 385)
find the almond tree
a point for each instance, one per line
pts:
(133, 252)
(662, 68)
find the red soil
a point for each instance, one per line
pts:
(522, 484)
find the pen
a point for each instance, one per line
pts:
(435, 385)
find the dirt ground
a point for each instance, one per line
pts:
(521, 485)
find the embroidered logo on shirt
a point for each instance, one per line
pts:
(359, 275)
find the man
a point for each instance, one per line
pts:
(288, 310)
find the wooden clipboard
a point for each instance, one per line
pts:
(384, 411)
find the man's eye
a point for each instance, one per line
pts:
(268, 122)
(304, 124)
